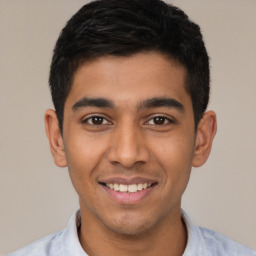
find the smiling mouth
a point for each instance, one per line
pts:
(131, 188)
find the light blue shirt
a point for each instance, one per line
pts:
(201, 242)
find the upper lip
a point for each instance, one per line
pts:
(128, 181)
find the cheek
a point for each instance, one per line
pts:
(177, 147)
(83, 149)
(83, 155)
(83, 159)
(175, 154)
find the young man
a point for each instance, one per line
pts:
(130, 86)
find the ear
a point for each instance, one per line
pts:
(206, 131)
(55, 138)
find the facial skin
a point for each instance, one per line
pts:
(129, 120)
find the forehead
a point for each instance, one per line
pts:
(127, 80)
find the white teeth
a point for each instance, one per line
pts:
(123, 188)
(116, 187)
(128, 188)
(132, 188)
(140, 187)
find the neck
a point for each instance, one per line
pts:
(168, 237)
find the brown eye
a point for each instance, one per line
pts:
(96, 120)
(159, 120)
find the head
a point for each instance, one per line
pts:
(124, 28)
(130, 82)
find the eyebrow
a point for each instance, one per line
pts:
(93, 102)
(161, 102)
(149, 103)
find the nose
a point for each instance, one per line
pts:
(128, 147)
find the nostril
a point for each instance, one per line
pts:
(128, 150)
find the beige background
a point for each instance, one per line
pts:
(36, 198)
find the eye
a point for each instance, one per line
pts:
(96, 120)
(159, 120)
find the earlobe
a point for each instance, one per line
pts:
(206, 131)
(55, 138)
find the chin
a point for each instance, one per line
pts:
(129, 225)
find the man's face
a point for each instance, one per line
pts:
(129, 125)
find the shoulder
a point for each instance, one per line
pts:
(62, 243)
(219, 244)
(206, 242)
(44, 247)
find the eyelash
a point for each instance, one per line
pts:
(86, 121)
(165, 120)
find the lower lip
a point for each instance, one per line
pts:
(128, 198)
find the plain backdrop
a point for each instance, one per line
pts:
(37, 198)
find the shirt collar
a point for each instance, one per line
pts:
(71, 243)
(196, 245)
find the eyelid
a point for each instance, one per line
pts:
(170, 120)
(88, 117)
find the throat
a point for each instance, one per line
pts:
(169, 239)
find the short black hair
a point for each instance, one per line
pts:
(124, 28)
